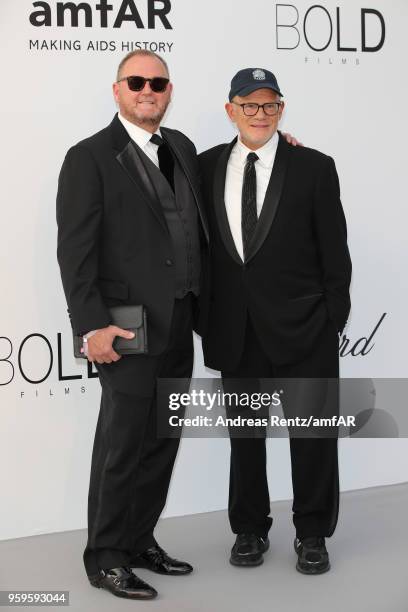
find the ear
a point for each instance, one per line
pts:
(281, 109)
(230, 111)
(115, 89)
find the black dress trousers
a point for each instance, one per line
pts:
(314, 460)
(132, 466)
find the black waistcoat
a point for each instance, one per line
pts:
(180, 211)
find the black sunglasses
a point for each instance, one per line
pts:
(137, 83)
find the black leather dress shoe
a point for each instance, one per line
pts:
(313, 557)
(248, 549)
(157, 560)
(122, 582)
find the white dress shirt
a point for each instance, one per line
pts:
(142, 138)
(234, 180)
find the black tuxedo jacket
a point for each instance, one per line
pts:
(114, 246)
(298, 271)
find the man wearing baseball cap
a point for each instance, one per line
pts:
(277, 296)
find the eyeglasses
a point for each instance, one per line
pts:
(251, 108)
(137, 83)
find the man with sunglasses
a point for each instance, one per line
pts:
(131, 228)
(277, 296)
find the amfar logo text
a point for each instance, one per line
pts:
(72, 14)
(320, 27)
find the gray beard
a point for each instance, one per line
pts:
(152, 121)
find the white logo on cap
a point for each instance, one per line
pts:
(259, 74)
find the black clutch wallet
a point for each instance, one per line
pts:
(131, 318)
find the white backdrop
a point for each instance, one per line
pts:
(349, 104)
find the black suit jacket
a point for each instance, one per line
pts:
(298, 271)
(114, 246)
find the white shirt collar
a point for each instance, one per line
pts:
(138, 134)
(266, 153)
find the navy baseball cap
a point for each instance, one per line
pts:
(250, 79)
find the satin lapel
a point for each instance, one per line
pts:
(131, 162)
(219, 202)
(193, 181)
(272, 197)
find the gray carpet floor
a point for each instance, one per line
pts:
(368, 556)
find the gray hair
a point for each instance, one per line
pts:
(141, 53)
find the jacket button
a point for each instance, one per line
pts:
(169, 262)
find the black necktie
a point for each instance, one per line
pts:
(166, 161)
(249, 215)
